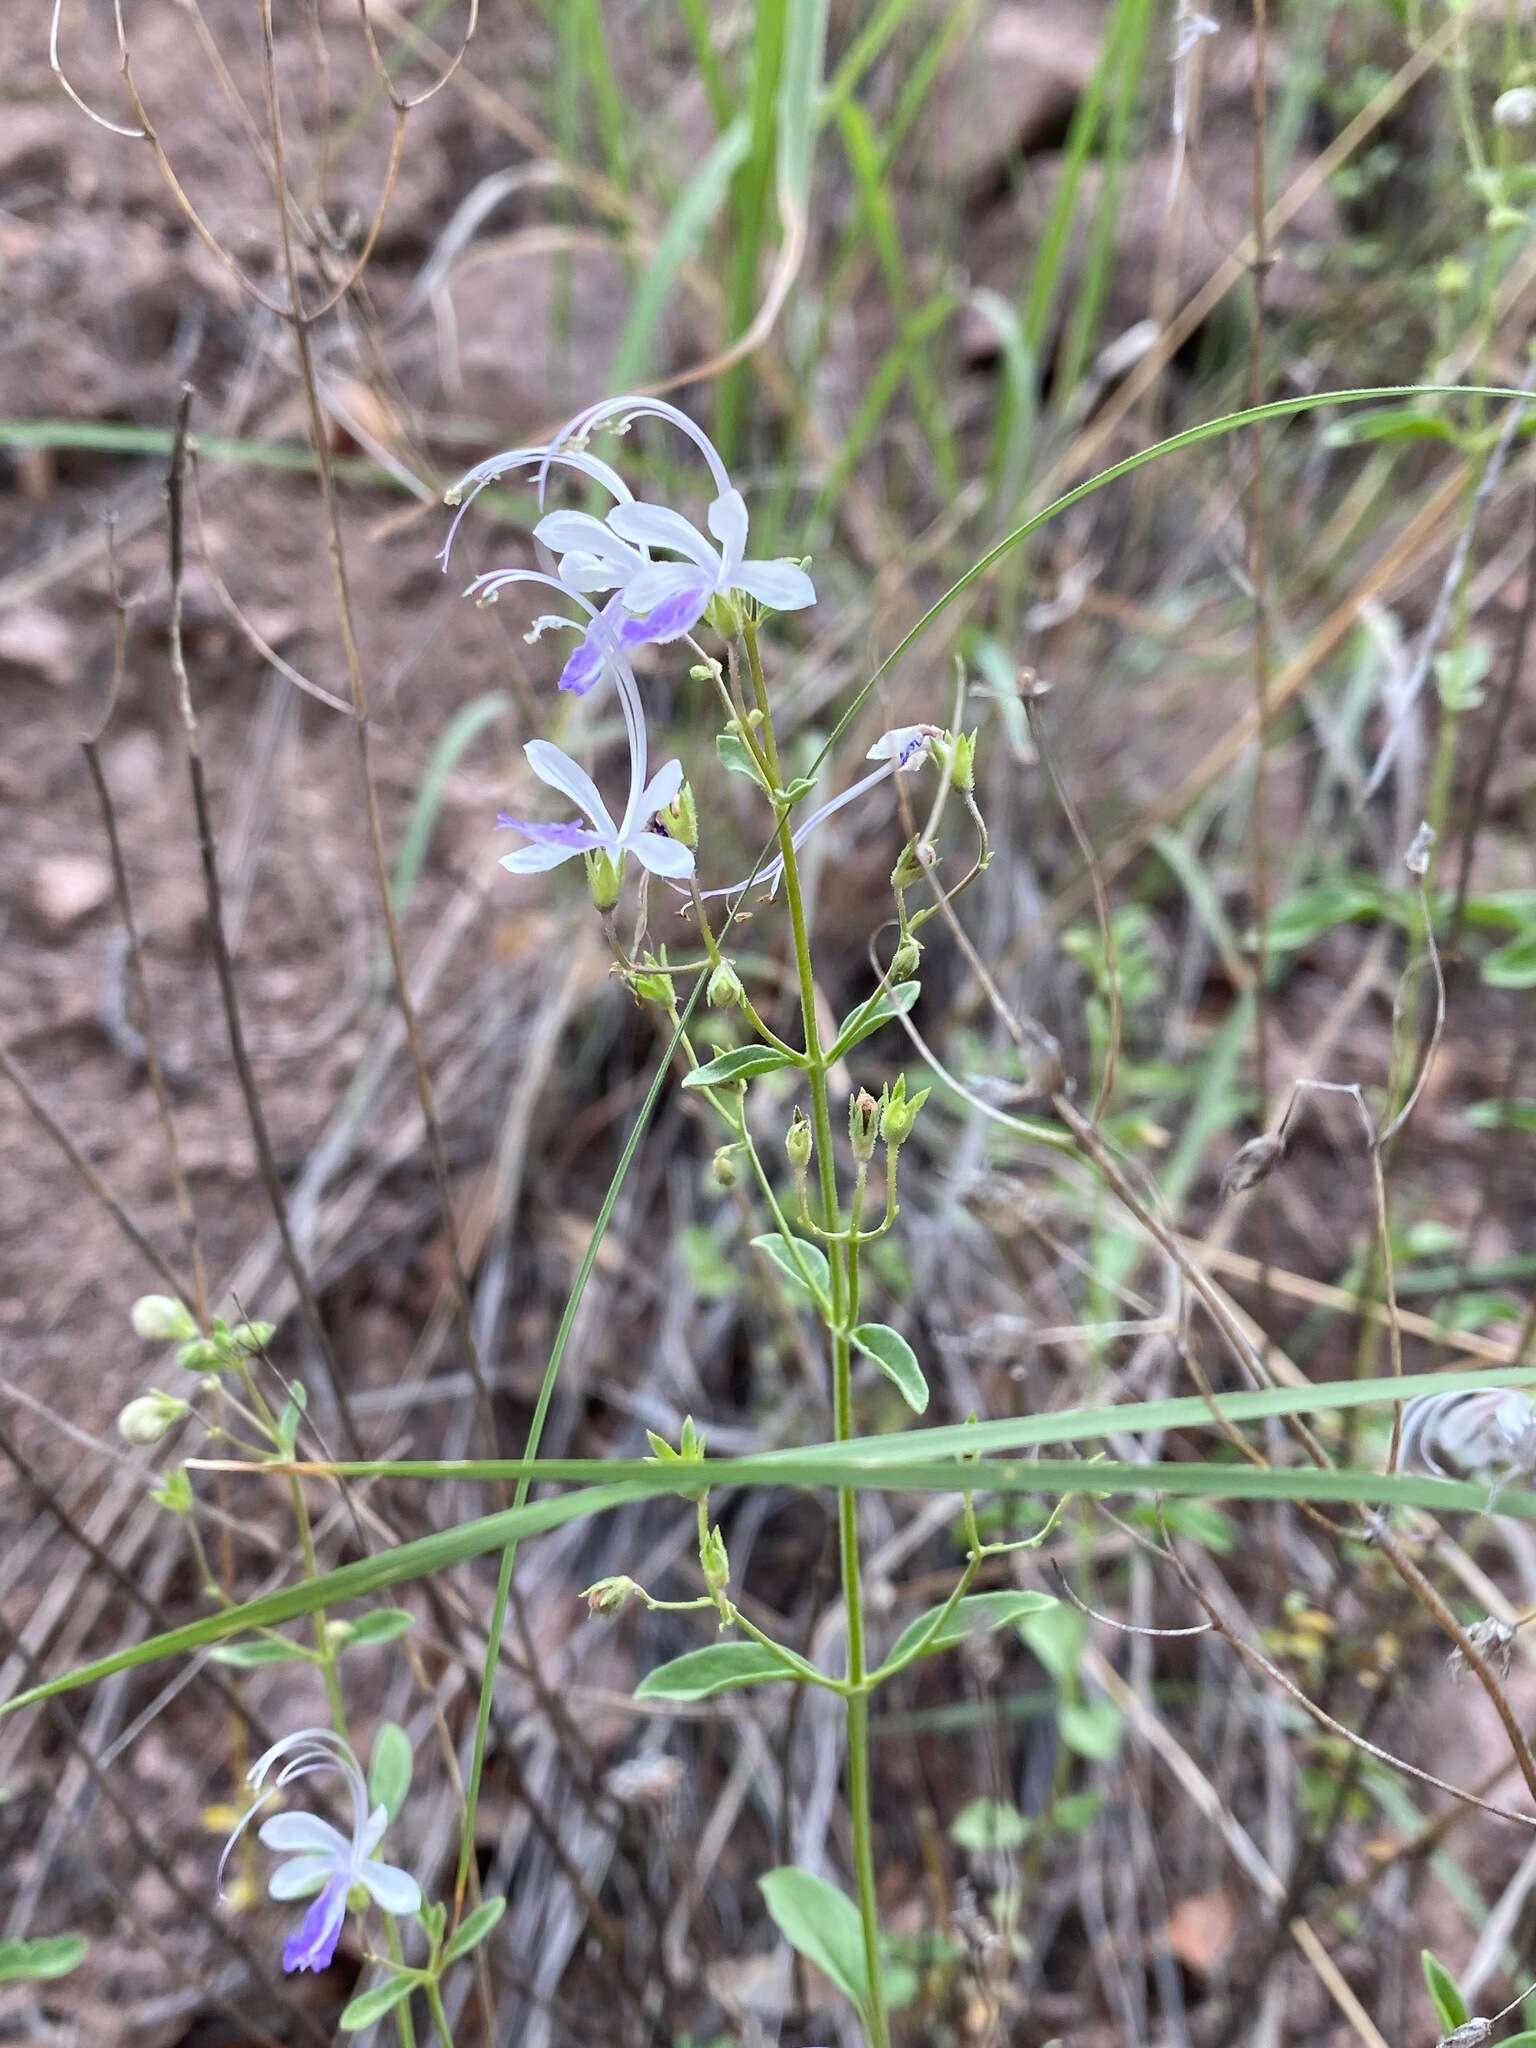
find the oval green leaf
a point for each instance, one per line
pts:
(721, 1667)
(35, 1962)
(783, 1253)
(384, 1625)
(1444, 1993)
(1514, 965)
(823, 1924)
(738, 1065)
(880, 1008)
(473, 1928)
(1092, 1731)
(896, 1359)
(389, 1768)
(372, 2005)
(977, 1614)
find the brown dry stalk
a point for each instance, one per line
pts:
(299, 321)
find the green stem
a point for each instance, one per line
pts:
(405, 2026)
(843, 1261)
(440, 2025)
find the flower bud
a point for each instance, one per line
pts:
(147, 1419)
(652, 988)
(898, 1114)
(723, 1167)
(161, 1319)
(956, 753)
(863, 1125)
(724, 614)
(904, 960)
(681, 818)
(174, 1492)
(609, 1595)
(725, 989)
(799, 1142)
(252, 1337)
(605, 877)
(915, 860)
(708, 671)
(203, 1354)
(1515, 108)
(715, 1562)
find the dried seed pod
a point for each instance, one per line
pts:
(1252, 1163)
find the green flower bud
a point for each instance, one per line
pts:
(956, 753)
(863, 1125)
(203, 1354)
(708, 671)
(716, 1564)
(147, 1419)
(690, 1450)
(161, 1319)
(252, 1337)
(174, 1493)
(652, 988)
(799, 1142)
(607, 1596)
(898, 1114)
(681, 818)
(910, 868)
(725, 989)
(724, 614)
(605, 877)
(904, 960)
(723, 1167)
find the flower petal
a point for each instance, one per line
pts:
(574, 838)
(661, 788)
(670, 616)
(300, 1877)
(302, 1831)
(783, 586)
(580, 533)
(661, 855)
(586, 572)
(900, 744)
(537, 860)
(371, 1832)
(585, 666)
(313, 1942)
(658, 526)
(392, 1890)
(659, 584)
(556, 767)
(728, 523)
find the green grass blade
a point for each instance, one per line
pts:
(697, 206)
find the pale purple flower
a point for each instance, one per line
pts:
(664, 600)
(552, 844)
(899, 752)
(323, 1863)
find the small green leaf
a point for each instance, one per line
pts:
(1514, 965)
(738, 1065)
(250, 1656)
(384, 1625)
(823, 1924)
(971, 1616)
(35, 1962)
(1518, 2041)
(473, 1928)
(721, 1667)
(372, 2005)
(1092, 1731)
(896, 1359)
(1447, 2000)
(875, 1010)
(1305, 916)
(733, 755)
(1503, 1116)
(389, 1768)
(812, 1257)
(990, 1827)
(1056, 1635)
(292, 1415)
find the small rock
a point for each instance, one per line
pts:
(38, 641)
(1012, 89)
(69, 886)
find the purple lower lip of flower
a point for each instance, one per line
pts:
(313, 1942)
(671, 618)
(582, 670)
(546, 835)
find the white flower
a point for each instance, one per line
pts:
(665, 600)
(552, 844)
(323, 1862)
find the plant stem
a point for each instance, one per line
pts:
(440, 2025)
(842, 1260)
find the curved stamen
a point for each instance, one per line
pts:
(469, 486)
(643, 408)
